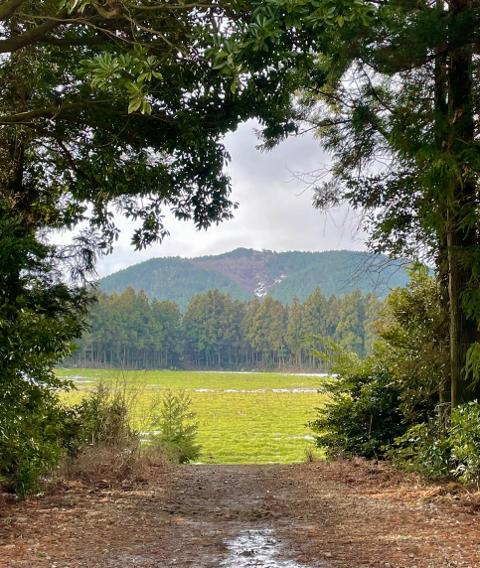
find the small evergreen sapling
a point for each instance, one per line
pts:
(176, 427)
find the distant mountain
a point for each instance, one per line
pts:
(245, 273)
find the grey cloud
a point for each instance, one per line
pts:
(275, 209)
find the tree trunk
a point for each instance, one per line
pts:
(461, 232)
(445, 386)
(441, 121)
(463, 331)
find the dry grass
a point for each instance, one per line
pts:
(104, 466)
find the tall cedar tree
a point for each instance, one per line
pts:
(390, 89)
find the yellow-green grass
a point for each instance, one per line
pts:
(243, 417)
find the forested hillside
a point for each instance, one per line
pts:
(245, 273)
(217, 332)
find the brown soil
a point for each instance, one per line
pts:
(346, 514)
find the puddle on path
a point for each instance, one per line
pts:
(256, 548)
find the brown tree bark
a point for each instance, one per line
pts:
(441, 120)
(461, 204)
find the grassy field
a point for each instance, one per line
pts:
(243, 417)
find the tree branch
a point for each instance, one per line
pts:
(48, 112)
(32, 36)
(75, 107)
(8, 7)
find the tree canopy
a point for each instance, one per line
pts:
(105, 107)
(115, 105)
(389, 89)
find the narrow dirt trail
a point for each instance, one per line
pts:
(342, 515)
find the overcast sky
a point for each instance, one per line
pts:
(275, 209)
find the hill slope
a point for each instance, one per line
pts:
(245, 272)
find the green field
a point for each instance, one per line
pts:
(243, 417)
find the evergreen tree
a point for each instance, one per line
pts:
(294, 336)
(349, 332)
(389, 88)
(127, 330)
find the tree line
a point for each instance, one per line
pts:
(217, 332)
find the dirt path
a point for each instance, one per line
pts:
(306, 516)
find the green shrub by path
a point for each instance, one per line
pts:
(453, 452)
(176, 427)
(362, 414)
(464, 440)
(242, 417)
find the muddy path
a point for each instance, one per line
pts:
(341, 515)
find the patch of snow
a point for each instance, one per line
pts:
(260, 290)
(252, 372)
(313, 374)
(80, 379)
(256, 391)
(296, 390)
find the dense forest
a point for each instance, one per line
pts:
(244, 273)
(217, 332)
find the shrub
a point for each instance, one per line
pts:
(464, 441)
(414, 345)
(31, 434)
(175, 428)
(112, 466)
(451, 452)
(362, 415)
(424, 450)
(397, 387)
(103, 419)
(102, 445)
(98, 435)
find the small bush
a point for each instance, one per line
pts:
(113, 466)
(104, 448)
(175, 428)
(464, 441)
(453, 452)
(309, 455)
(102, 445)
(103, 419)
(422, 449)
(100, 463)
(362, 415)
(99, 438)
